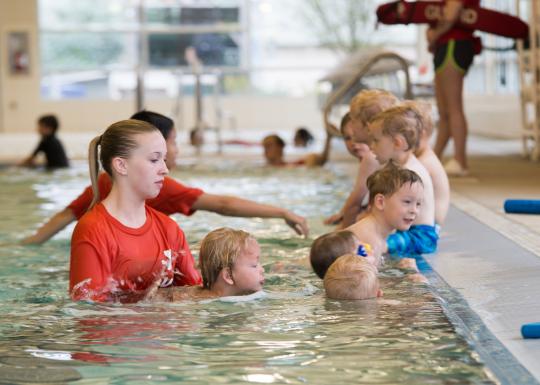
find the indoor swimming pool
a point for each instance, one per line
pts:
(289, 334)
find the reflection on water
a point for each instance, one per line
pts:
(290, 335)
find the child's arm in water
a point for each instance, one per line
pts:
(353, 205)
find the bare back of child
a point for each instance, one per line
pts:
(428, 158)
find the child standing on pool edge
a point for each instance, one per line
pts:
(121, 246)
(395, 134)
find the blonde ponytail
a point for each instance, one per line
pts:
(93, 165)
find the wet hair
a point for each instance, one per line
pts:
(344, 121)
(164, 124)
(219, 250)
(389, 179)
(404, 120)
(351, 277)
(304, 135)
(368, 103)
(424, 113)
(328, 247)
(118, 140)
(49, 121)
(274, 138)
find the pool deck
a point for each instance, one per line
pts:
(490, 258)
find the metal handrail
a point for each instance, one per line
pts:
(340, 92)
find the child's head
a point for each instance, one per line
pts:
(425, 121)
(230, 258)
(273, 149)
(365, 106)
(165, 125)
(352, 277)
(397, 193)
(328, 247)
(302, 137)
(47, 125)
(394, 131)
(358, 150)
(196, 138)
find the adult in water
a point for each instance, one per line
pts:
(121, 246)
(453, 49)
(173, 197)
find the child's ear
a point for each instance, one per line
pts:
(378, 201)
(226, 275)
(119, 165)
(379, 293)
(399, 142)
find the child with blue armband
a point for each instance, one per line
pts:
(395, 134)
(395, 198)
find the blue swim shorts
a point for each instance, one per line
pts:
(419, 239)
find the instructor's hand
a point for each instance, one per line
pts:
(297, 223)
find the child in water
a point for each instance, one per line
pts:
(329, 247)
(395, 134)
(351, 277)
(230, 266)
(49, 145)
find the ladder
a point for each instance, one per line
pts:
(529, 68)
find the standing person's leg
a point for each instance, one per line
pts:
(453, 95)
(443, 129)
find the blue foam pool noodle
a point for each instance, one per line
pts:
(522, 206)
(531, 330)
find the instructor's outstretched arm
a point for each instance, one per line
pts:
(58, 222)
(238, 207)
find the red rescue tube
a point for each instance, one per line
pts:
(476, 19)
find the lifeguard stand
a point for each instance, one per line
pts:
(529, 65)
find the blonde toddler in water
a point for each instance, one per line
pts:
(352, 277)
(230, 266)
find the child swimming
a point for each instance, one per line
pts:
(230, 265)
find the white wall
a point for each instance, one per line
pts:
(21, 104)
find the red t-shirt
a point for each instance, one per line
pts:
(173, 197)
(108, 258)
(460, 33)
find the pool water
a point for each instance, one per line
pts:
(289, 334)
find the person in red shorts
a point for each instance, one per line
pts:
(121, 246)
(453, 50)
(173, 198)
